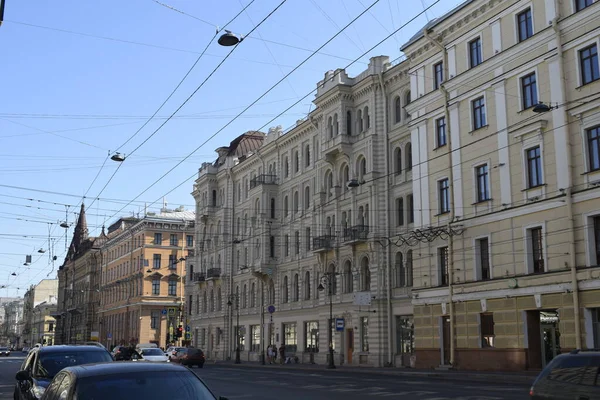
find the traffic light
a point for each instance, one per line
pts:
(179, 331)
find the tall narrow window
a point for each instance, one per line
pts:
(444, 196)
(398, 160)
(484, 258)
(172, 287)
(487, 330)
(443, 265)
(400, 211)
(158, 238)
(440, 132)
(438, 75)
(478, 109)
(307, 239)
(534, 167)
(397, 110)
(483, 182)
(588, 59)
(272, 246)
(287, 245)
(348, 122)
(173, 240)
(596, 238)
(364, 333)
(410, 206)
(297, 242)
(593, 147)
(272, 210)
(525, 25)
(581, 4)
(156, 261)
(537, 250)
(156, 287)
(529, 91)
(475, 56)
(408, 155)
(307, 156)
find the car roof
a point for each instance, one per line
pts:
(90, 370)
(69, 347)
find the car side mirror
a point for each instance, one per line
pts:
(23, 375)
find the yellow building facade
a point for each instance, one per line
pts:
(142, 291)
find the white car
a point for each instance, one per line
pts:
(171, 351)
(154, 355)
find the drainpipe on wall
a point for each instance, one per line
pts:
(569, 190)
(388, 285)
(451, 216)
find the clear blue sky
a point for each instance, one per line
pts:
(81, 77)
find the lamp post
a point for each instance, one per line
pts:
(236, 297)
(328, 280)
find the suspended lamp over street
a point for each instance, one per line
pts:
(41, 251)
(118, 157)
(64, 225)
(542, 108)
(353, 183)
(229, 39)
(14, 274)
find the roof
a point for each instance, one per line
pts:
(182, 215)
(88, 370)
(69, 347)
(434, 22)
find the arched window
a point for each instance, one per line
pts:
(286, 167)
(328, 227)
(398, 160)
(257, 207)
(348, 122)
(329, 183)
(361, 168)
(295, 288)
(346, 176)
(336, 125)
(296, 162)
(307, 155)
(366, 118)
(409, 268)
(214, 198)
(406, 102)
(365, 274)
(330, 127)
(397, 109)
(245, 296)
(361, 215)
(408, 152)
(284, 290)
(204, 303)
(271, 290)
(307, 285)
(367, 215)
(348, 278)
(273, 208)
(333, 279)
(253, 295)
(400, 272)
(219, 300)
(307, 197)
(344, 221)
(359, 122)
(286, 207)
(296, 201)
(211, 304)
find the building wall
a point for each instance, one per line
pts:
(506, 290)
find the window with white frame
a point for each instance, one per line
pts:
(156, 287)
(487, 329)
(483, 258)
(444, 196)
(255, 338)
(438, 75)
(440, 132)
(154, 319)
(529, 91)
(593, 238)
(588, 63)
(475, 54)
(592, 136)
(581, 4)
(291, 337)
(443, 265)
(524, 25)
(482, 176)
(311, 337)
(535, 249)
(534, 167)
(478, 113)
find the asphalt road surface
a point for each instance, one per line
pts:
(272, 384)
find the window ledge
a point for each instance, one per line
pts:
(442, 213)
(439, 147)
(484, 127)
(534, 187)
(580, 87)
(480, 202)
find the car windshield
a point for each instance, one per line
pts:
(152, 352)
(193, 352)
(50, 364)
(3, 348)
(172, 385)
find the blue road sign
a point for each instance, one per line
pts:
(339, 324)
(109, 335)
(164, 311)
(271, 309)
(188, 328)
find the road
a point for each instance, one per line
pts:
(274, 384)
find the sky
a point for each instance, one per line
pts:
(82, 80)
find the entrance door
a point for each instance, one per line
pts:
(550, 342)
(349, 345)
(446, 340)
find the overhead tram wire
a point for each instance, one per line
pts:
(270, 89)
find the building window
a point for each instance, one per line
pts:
(156, 287)
(364, 333)
(440, 132)
(534, 167)
(51, 327)
(525, 25)
(537, 250)
(172, 287)
(156, 261)
(291, 338)
(398, 160)
(297, 242)
(307, 156)
(596, 326)
(444, 196)
(581, 4)
(154, 319)
(241, 337)
(487, 330)
(172, 261)
(529, 91)
(483, 182)
(484, 258)
(311, 337)
(410, 208)
(158, 238)
(593, 144)
(588, 59)
(438, 75)
(397, 110)
(475, 56)
(478, 107)
(400, 211)
(443, 265)
(307, 239)
(255, 338)
(286, 245)
(405, 335)
(596, 239)
(174, 241)
(189, 241)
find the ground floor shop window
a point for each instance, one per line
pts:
(487, 330)
(255, 338)
(405, 335)
(290, 337)
(311, 337)
(364, 333)
(240, 337)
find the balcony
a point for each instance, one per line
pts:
(198, 277)
(263, 180)
(356, 233)
(213, 273)
(323, 243)
(340, 144)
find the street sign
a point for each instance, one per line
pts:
(94, 336)
(164, 311)
(109, 335)
(188, 328)
(339, 324)
(271, 309)
(172, 311)
(188, 336)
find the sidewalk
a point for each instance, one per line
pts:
(525, 377)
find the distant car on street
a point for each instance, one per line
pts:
(171, 351)
(190, 357)
(126, 381)
(154, 355)
(42, 364)
(572, 375)
(4, 351)
(125, 353)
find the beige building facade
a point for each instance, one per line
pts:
(506, 193)
(46, 291)
(288, 222)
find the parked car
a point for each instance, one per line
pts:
(42, 364)
(171, 351)
(154, 355)
(4, 351)
(126, 381)
(569, 376)
(189, 357)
